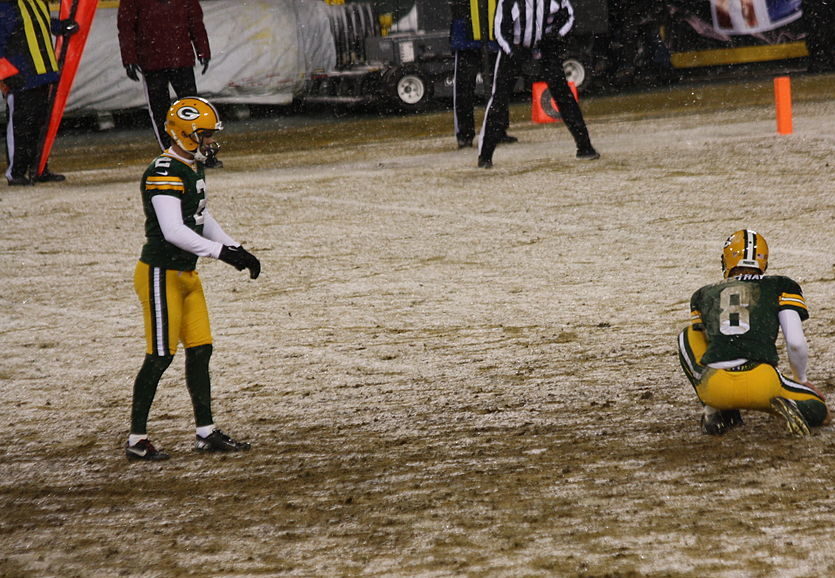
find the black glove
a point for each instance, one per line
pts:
(205, 63)
(66, 27)
(132, 70)
(241, 259)
(554, 22)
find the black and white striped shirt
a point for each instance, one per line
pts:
(525, 22)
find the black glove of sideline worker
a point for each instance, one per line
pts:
(66, 27)
(205, 63)
(241, 259)
(132, 70)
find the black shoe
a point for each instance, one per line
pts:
(507, 139)
(144, 450)
(720, 422)
(465, 143)
(49, 177)
(19, 182)
(588, 155)
(485, 163)
(217, 441)
(213, 163)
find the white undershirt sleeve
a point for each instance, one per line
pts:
(212, 230)
(796, 346)
(169, 214)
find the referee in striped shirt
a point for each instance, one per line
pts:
(525, 30)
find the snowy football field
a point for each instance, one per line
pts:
(444, 371)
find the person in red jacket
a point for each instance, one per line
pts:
(158, 40)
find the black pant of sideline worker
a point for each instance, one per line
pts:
(508, 68)
(159, 98)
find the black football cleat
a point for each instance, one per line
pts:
(217, 441)
(485, 163)
(465, 143)
(507, 139)
(733, 418)
(719, 422)
(145, 450)
(788, 410)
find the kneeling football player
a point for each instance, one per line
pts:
(729, 354)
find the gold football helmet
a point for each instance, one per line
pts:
(745, 248)
(189, 121)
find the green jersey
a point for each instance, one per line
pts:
(168, 175)
(739, 316)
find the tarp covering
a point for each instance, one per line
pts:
(262, 51)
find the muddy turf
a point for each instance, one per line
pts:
(444, 371)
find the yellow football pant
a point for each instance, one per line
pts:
(174, 308)
(725, 389)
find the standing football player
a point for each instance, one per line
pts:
(179, 229)
(729, 354)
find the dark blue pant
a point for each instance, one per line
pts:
(27, 112)
(468, 63)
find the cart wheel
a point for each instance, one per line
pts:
(578, 71)
(409, 89)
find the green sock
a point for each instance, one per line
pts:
(199, 383)
(144, 390)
